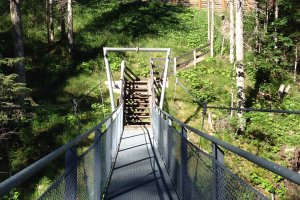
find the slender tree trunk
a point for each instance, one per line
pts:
(267, 17)
(208, 20)
(296, 63)
(276, 12)
(231, 35)
(212, 34)
(257, 42)
(232, 89)
(62, 20)
(15, 15)
(240, 74)
(50, 23)
(70, 25)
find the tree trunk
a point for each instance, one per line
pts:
(208, 20)
(267, 17)
(276, 11)
(231, 37)
(257, 42)
(18, 39)
(212, 34)
(70, 25)
(62, 21)
(240, 74)
(296, 63)
(50, 23)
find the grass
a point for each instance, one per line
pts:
(266, 134)
(57, 78)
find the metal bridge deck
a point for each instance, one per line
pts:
(139, 172)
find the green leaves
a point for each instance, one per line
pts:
(11, 90)
(114, 62)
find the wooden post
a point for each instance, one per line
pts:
(223, 5)
(175, 66)
(199, 4)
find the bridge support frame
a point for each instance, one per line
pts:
(185, 194)
(71, 159)
(218, 182)
(137, 49)
(97, 166)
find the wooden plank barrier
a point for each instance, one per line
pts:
(186, 60)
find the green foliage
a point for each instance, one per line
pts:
(114, 62)
(203, 89)
(200, 82)
(11, 91)
(41, 187)
(10, 61)
(266, 184)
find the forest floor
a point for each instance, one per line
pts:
(55, 77)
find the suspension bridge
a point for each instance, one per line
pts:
(142, 152)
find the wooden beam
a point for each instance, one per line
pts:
(223, 5)
(199, 4)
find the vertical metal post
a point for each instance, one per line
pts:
(97, 166)
(218, 177)
(122, 69)
(169, 143)
(71, 174)
(110, 88)
(152, 93)
(108, 147)
(184, 162)
(161, 103)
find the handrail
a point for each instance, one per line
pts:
(185, 54)
(184, 61)
(32, 169)
(273, 167)
(203, 47)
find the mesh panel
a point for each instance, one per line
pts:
(87, 178)
(195, 174)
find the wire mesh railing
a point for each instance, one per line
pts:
(85, 176)
(198, 175)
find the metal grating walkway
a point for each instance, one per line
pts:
(139, 172)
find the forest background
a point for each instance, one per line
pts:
(48, 60)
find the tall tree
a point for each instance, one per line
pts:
(15, 15)
(62, 20)
(257, 25)
(70, 25)
(212, 34)
(240, 74)
(276, 13)
(208, 21)
(231, 37)
(50, 22)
